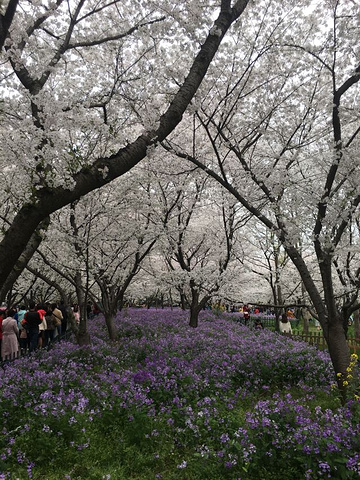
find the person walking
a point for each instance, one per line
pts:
(246, 314)
(31, 322)
(10, 344)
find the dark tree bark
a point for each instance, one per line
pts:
(6, 21)
(196, 306)
(48, 281)
(110, 324)
(24, 258)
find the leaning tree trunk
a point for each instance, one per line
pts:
(25, 257)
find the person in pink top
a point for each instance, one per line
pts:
(76, 312)
(10, 344)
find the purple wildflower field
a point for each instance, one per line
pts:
(169, 402)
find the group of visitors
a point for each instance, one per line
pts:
(253, 310)
(24, 329)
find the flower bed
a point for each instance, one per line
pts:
(167, 401)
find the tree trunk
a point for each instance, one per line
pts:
(171, 300)
(278, 300)
(121, 302)
(109, 300)
(182, 301)
(194, 317)
(306, 323)
(339, 352)
(330, 319)
(110, 323)
(357, 323)
(333, 324)
(194, 307)
(82, 335)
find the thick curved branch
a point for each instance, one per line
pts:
(23, 260)
(39, 274)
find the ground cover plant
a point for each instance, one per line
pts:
(165, 401)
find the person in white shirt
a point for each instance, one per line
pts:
(285, 325)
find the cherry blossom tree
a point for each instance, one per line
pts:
(199, 235)
(88, 89)
(96, 246)
(268, 260)
(283, 126)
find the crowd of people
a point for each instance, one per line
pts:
(27, 329)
